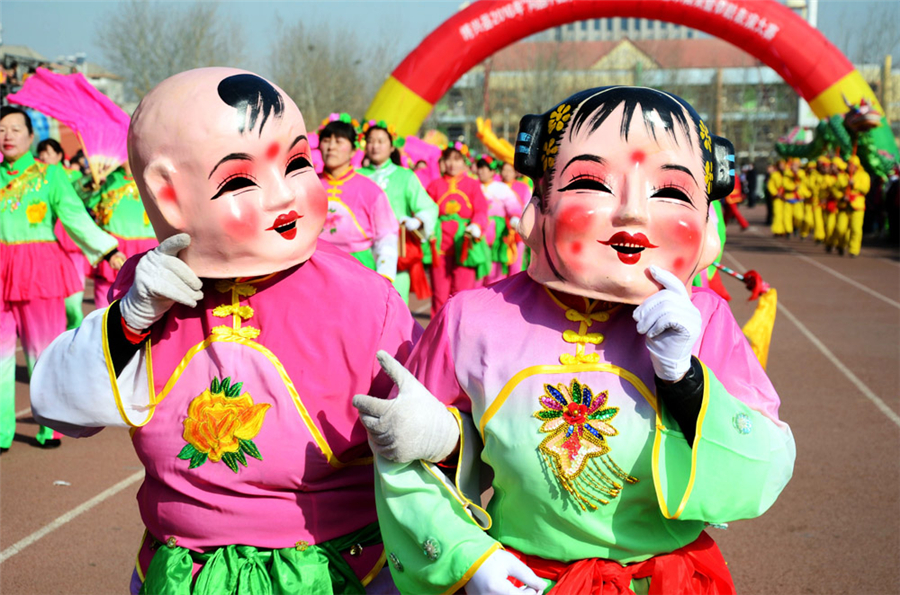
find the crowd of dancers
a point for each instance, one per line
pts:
(60, 224)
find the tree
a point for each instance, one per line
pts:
(326, 71)
(146, 42)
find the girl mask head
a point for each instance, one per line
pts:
(623, 179)
(222, 154)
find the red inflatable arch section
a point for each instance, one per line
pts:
(771, 32)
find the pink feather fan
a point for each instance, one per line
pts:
(101, 125)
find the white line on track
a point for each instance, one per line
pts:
(23, 412)
(865, 390)
(59, 522)
(829, 270)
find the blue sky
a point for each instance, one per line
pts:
(66, 27)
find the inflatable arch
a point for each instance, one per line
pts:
(766, 29)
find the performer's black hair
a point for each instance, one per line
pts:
(52, 143)
(593, 106)
(340, 130)
(8, 110)
(251, 96)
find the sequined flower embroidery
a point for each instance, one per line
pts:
(36, 212)
(708, 176)
(559, 117)
(221, 425)
(577, 423)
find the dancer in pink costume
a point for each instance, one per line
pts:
(523, 191)
(360, 220)
(118, 210)
(462, 219)
(504, 211)
(232, 351)
(36, 275)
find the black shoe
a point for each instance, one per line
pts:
(829, 249)
(51, 443)
(3, 450)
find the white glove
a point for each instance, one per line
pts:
(411, 223)
(160, 280)
(473, 230)
(413, 426)
(671, 324)
(491, 577)
(514, 223)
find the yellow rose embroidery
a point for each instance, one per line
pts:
(221, 425)
(559, 117)
(36, 212)
(146, 219)
(708, 176)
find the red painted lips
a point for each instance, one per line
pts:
(286, 225)
(628, 247)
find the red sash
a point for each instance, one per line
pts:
(695, 569)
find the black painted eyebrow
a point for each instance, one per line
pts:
(672, 166)
(231, 157)
(297, 140)
(592, 158)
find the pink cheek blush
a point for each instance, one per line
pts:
(241, 228)
(574, 221)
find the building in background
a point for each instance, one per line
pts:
(737, 95)
(614, 29)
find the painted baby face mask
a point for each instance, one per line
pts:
(624, 174)
(222, 154)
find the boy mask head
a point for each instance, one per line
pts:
(222, 155)
(623, 178)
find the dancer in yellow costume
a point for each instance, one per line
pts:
(775, 186)
(813, 181)
(835, 198)
(821, 194)
(852, 209)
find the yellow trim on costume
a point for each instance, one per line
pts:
(334, 191)
(111, 370)
(473, 569)
(853, 86)
(375, 569)
(5, 243)
(288, 383)
(397, 103)
(657, 441)
(462, 445)
(453, 190)
(571, 369)
(137, 556)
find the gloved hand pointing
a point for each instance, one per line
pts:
(671, 324)
(160, 280)
(413, 426)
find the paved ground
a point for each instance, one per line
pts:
(835, 360)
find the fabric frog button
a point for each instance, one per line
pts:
(432, 549)
(742, 423)
(395, 562)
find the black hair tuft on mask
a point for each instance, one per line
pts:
(251, 96)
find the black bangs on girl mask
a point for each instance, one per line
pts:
(537, 143)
